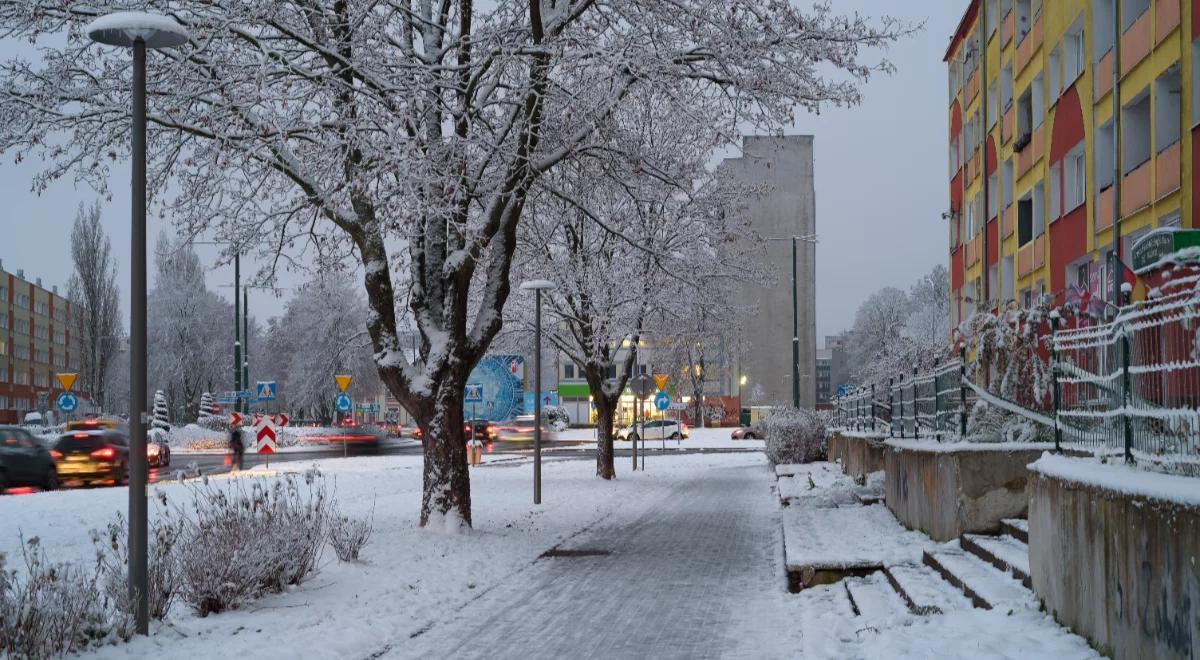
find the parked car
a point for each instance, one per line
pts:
(92, 457)
(747, 433)
(655, 429)
(520, 429)
(24, 461)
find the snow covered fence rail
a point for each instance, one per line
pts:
(933, 403)
(1133, 385)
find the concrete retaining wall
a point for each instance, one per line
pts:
(948, 490)
(859, 455)
(1121, 570)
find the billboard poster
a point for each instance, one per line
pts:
(500, 381)
(548, 399)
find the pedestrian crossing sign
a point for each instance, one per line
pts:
(266, 390)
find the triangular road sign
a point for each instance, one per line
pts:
(67, 380)
(343, 381)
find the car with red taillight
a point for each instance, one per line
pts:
(24, 462)
(92, 457)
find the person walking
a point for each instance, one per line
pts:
(235, 443)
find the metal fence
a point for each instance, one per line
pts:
(1130, 386)
(931, 404)
(1133, 385)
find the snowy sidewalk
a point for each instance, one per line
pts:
(697, 576)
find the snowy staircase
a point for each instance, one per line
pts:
(990, 570)
(871, 597)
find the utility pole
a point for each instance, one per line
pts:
(795, 333)
(246, 339)
(237, 330)
(1115, 298)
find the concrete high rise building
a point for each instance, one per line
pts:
(787, 208)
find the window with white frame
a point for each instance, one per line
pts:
(1055, 209)
(1072, 53)
(991, 105)
(1169, 220)
(1074, 178)
(1006, 183)
(1039, 210)
(21, 351)
(1038, 101)
(20, 377)
(1131, 10)
(1167, 90)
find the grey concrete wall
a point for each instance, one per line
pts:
(948, 493)
(858, 456)
(1122, 571)
(788, 208)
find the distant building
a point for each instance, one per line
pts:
(831, 369)
(36, 343)
(786, 209)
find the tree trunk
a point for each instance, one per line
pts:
(605, 407)
(446, 501)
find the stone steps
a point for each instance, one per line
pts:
(986, 586)
(1007, 553)
(924, 591)
(873, 598)
(1017, 528)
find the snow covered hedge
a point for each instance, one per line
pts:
(795, 436)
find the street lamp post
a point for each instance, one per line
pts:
(795, 315)
(139, 31)
(537, 286)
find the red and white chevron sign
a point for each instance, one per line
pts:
(281, 419)
(264, 434)
(235, 419)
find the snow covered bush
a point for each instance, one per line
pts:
(248, 538)
(112, 550)
(349, 536)
(556, 417)
(218, 423)
(795, 436)
(161, 414)
(206, 406)
(48, 609)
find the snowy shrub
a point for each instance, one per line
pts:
(112, 551)
(48, 609)
(988, 423)
(795, 436)
(161, 418)
(556, 417)
(218, 423)
(241, 541)
(349, 535)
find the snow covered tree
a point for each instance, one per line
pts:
(360, 128)
(94, 293)
(162, 416)
(323, 331)
(206, 406)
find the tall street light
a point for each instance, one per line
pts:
(537, 286)
(139, 31)
(795, 317)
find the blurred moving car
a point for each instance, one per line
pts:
(158, 451)
(24, 461)
(655, 429)
(485, 430)
(92, 423)
(92, 457)
(520, 429)
(352, 434)
(747, 433)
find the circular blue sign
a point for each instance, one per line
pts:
(67, 402)
(661, 400)
(343, 402)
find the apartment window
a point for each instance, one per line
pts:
(59, 361)
(1072, 54)
(993, 195)
(1006, 183)
(953, 81)
(41, 380)
(1024, 19)
(1039, 210)
(3, 351)
(1074, 178)
(4, 320)
(1135, 133)
(20, 377)
(1169, 220)
(1105, 156)
(1005, 7)
(569, 370)
(611, 371)
(1025, 219)
(41, 308)
(1038, 102)
(41, 356)
(21, 351)
(1102, 33)
(991, 105)
(1006, 90)
(1052, 66)
(1055, 179)
(953, 156)
(1024, 120)
(1131, 10)
(21, 300)
(60, 337)
(1167, 88)
(993, 16)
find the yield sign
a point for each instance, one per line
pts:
(67, 380)
(661, 380)
(343, 381)
(264, 435)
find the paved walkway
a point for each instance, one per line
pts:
(697, 576)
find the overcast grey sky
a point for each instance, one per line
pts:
(880, 185)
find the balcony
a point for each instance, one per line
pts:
(1007, 222)
(1102, 76)
(1166, 171)
(1007, 28)
(1135, 189)
(1031, 256)
(1136, 42)
(1008, 125)
(1166, 18)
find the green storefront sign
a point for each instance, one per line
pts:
(1160, 243)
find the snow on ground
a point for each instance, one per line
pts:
(1118, 477)
(848, 537)
(706, 438)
